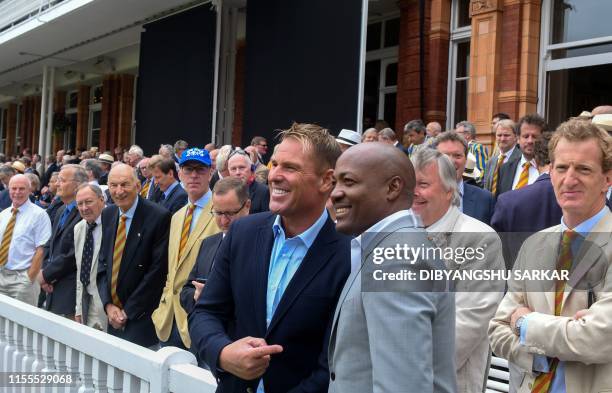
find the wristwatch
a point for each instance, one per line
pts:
(517, 326)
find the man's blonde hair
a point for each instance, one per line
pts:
(578, 130)
(317, 141)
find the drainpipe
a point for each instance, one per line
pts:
(48, 147)
(43, 114)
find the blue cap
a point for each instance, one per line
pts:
(194, 154)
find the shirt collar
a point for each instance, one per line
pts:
(585, 227)
(460, 188)
(309, 235)
(382, 224)
(130, 212)
(509, 152)
(24, 206)
(71, 206)
(203, 200)
(169, 190)
(524, 160)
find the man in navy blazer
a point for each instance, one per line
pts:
(263, 321)
(173, 197)
(239, 165)
(475, 202)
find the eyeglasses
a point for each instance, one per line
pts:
(228, 215)
(237, 151)
(200, 170)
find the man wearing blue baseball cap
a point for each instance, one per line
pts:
(190, 225)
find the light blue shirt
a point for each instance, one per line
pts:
(286, 258)
(129, 214)
(169, 189)
(460, 188)
(541, 363)
(199, 207)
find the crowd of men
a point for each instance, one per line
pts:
(261, 268)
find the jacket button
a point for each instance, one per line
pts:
(333, 376)
(249, 390)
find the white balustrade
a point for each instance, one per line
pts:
(34, 340)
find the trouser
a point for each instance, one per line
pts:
(174, 340)
(17, 284)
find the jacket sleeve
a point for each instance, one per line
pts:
(188, 290)
(61, 262)
(149, 289)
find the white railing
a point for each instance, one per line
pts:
(36, 341)
(17, 11)
(499, 376)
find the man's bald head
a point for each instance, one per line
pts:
(373, 181)
(123, 185)
(602, 110)
(19, 189)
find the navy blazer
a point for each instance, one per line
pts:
(5, 199)
(175, 201)
(59, 268)
(201, 268)
(478, 203)
(143, 268)
(233, 306)
(508, 171)
(259, 194)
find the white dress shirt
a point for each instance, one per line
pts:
(533, 172)
(32, 230)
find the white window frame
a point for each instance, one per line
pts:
(548, 64)
(459, 35)
(92, 108)
(2, 137)
(386, 56)
(17, 129)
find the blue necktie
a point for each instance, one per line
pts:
(87, 257)
(63, 218)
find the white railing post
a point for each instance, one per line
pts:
(3, 343)
(72, 362)
(99, 376)
(47, 352)
(19, 353)
(85, 366)
(7, 356)
(28, 347)
(115, 380)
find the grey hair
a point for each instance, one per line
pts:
(222, 156)
(167, 148)
(507, 124)
(241, 153)
(416, 125)
(468, 126)
(135, 149)
(388, 133)
(446, 170)
(91, 164)
(451, 136)
(34, 181)
(80, 175)
(93, 187)
(7, 170)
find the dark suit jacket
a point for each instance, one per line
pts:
(176, 200)
(5, 199)
(507, 171)
(143, 269)
(233, 306)
(259, 194)
(478, 203)
(54, 167)
(201, 268)
(52, 209)
(214, 179)
(59, 268)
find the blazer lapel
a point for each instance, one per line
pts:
(133, 238)
(73, 213)
(264, 241)
(314, 260)
(203, 221)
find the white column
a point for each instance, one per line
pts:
(43, 115)
(48, 146)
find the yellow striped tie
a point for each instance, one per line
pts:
(500, 161)
(186, 228)
(524, 178)
(145, 189)
(117, 255)
(7, 237)
(543, 381)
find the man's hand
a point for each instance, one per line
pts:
(519, 312)
(78, 319)
(247, 358)
(198, 289)
(40, 278)
(581, 313)
(116, 316)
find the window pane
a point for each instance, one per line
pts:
(391, 74)
(371, 87)
(390, 107)
(463, 59)
(583, 51)
(461, 95)
(463, 13)
(71, 139)
(392, 32)
(373, 36)
(97, 95)
(95, 128)
(72, 100)
(575, 20)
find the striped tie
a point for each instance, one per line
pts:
(500, 161)
(186, 228)
(543, 381)
(117, 255)
(145, 189)
(7, 237)
(524, 178)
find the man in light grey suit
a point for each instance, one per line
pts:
(387, 336)
(87, 240)
(506, 136)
